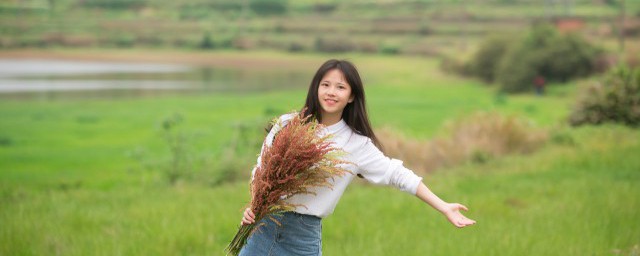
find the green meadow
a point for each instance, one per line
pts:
(69, 186)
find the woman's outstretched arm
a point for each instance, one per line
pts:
(449, 210)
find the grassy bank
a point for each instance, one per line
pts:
(561, 201)
(69, 187)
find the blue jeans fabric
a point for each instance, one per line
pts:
(297, 234)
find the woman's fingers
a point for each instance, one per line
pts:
(457, 207)
(458, 219)
(248, 217)
(249, 214)
(465, 222)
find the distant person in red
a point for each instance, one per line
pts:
(539, 84)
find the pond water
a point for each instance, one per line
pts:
(62, 79)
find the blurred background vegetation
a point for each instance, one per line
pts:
(427, 27)
(131, 126)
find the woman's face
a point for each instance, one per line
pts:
(334, 93)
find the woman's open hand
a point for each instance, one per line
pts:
(248, 217)
(453, 214)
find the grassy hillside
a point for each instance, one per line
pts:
(431, 28)
(68, 185)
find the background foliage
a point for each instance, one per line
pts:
(614, 99)
(85, 175)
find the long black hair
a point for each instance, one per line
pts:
(355, 113)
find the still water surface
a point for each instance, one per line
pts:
(62, 79)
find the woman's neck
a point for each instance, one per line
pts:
(331, 119)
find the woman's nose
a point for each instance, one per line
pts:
(331, 90)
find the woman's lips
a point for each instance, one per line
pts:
(330, 101)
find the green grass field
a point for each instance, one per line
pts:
(67, 186)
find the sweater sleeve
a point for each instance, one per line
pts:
(377, 168)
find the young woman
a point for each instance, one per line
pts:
(336, 100)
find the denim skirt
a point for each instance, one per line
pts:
(296, 234)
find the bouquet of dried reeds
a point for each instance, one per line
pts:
(299, 159)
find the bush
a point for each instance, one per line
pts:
(123, 41)
(568, 57)
(455, 65)
(324, 8)
(114, 4)
(425, 30)
(149, 39)
(615, 99)
(180, 163)
(545, 52)
(487, 135)
(517, 70)
(486, 59)
(389, 49)
(337, 44)
(296, 47)
(476, 139)
(207, 42)
(268, 7)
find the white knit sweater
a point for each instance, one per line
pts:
(368, 161)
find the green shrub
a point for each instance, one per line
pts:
(196, 10)
(296, 47)
(268, 7)
(389, 49)
(567, 57)
(562, 136)
(455, 65)
(226, 6)
(545, 52)
(114, 4)
(149, 39)
(334, 44)
(207, 42)
(425, 30)
(324, 8)
(517, 70)
(180, 164)
(226, 42)
(6, 141)
(615, 99)
(123, 41)
(488, 56)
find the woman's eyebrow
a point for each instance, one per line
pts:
(327, 81)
